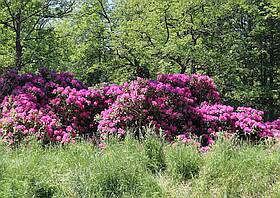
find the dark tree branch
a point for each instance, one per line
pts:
(32, 29)
(33, 14)
(18, 31)
(166, 26)
(126, 58)
(6, 24)
(148, 37)
(179, 61)
(11, 14)
(104, 13)
(55, 15)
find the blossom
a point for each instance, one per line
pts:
(69, 129)
(57, 108)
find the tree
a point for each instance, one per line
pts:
(246, 40)
(86, 37)
(165, 35)
(234, 41)
(30, 20)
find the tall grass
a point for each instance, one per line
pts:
(154, 154)
(133, 169)
(242, 170)
(76, 171)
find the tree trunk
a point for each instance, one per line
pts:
(18, 58)
(271, 64)
(183, 69)
(193, 67)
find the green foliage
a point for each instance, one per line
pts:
(236, 42)
(28, 36)
(155, 154)
(183, 162)
(120, 170)
(239, 170)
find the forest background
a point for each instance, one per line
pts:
(236, 42)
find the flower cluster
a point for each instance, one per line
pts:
(55, 107)
(187, 107)
(243, 122)
(77, 109)
(250, 121)
(274, 128)
(202, 87)
(149, 102)
(49, 106)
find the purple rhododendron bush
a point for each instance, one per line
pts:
(57, 108)
(184, 107)
(49, 106)
(170, 104)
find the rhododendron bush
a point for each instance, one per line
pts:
(55, 107)
(184, 107)
(50, 106)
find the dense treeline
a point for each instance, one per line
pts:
(234, 41)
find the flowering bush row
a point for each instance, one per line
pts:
(187, 107)
(55, 107)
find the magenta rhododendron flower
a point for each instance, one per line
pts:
(56, 108)
(35, 104)
(182, 106)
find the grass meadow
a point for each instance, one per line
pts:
(149, 168)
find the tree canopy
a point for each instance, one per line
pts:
(234, 41)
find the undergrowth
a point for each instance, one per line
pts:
(147, 169)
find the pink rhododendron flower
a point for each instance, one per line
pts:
(56, 108)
